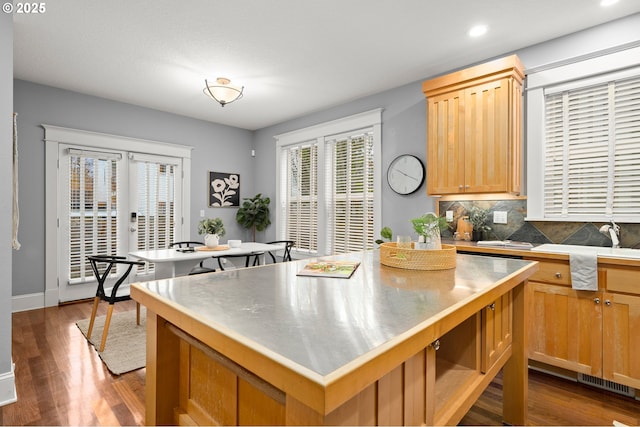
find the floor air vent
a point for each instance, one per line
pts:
(606, 385)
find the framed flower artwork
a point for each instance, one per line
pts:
(224, 190)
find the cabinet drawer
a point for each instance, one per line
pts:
(623, 280)
(557, 273)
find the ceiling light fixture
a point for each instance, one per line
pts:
(222, 91)
(605, 3)
(478, 30)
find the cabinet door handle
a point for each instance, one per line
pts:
(558, 275)
(596, 300)
(607, 302)
(436, 345)
(467, 186)
(460, 187)
(492, 306)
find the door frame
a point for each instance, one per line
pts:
(54, 136)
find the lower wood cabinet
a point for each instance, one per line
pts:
(565, 328)
(621, 326)
(463, 356)
(497, 327)
(594, 333)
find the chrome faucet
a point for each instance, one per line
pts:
(613, 230)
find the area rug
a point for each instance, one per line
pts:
(125, 349)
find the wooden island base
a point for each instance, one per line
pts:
(430, 377)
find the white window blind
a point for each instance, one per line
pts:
(156, 205)
(301, 186)
(350, 195)
(92, 210)
(592, 151)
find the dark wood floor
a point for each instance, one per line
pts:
(60, 380)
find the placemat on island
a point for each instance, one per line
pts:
(217, 248)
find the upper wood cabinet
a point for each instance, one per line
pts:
(474, 129)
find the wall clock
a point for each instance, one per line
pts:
(405, 174)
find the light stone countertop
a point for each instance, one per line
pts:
(604, 258)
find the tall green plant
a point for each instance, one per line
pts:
(254, 214)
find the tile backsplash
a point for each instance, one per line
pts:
(517, 229)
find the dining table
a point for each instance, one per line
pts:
(174, 262)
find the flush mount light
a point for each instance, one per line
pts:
(478, 30)
(605, 3)
(223, 91)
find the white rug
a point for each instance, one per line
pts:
(126, 345)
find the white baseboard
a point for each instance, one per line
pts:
(51, 297)
(8, 387)
(27, 302)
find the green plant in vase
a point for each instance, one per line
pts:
(428, 227)
(478, 218)
(213, 229)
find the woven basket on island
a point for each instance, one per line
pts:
(418, 259)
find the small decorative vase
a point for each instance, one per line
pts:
(432, 238)
(211, 240)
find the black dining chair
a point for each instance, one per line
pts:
(200, 268)
(247, 261)
(106, 267)
(286, 255)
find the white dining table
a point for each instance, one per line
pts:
(175, 262)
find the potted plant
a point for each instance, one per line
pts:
(213, 229)
(478, 218)
(428, 227)
(254, 214)
(386, 235)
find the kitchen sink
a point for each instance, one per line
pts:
(598, 250)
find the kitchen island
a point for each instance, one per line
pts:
(387, 346)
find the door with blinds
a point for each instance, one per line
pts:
(111, 202)
(152, 199)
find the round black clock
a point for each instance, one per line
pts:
(405, 174)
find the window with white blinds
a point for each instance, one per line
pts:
(302, 196)
(583, 138)
(328, 185)
(93, 210)
(351, 196)
(592, 151)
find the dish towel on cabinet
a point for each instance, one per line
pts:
(584, 271)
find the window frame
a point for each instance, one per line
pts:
(576, 73)
(322, 134)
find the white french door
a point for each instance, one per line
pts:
(112, 202)
(153, 192)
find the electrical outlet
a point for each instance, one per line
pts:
(201, 213)
(500, 217)
(449, 216)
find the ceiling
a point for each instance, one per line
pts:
(293, 57)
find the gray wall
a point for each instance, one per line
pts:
(216, 148)
(6, 156)
(404, 118)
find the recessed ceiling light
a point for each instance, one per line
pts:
(478, 30)
(605, 3)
